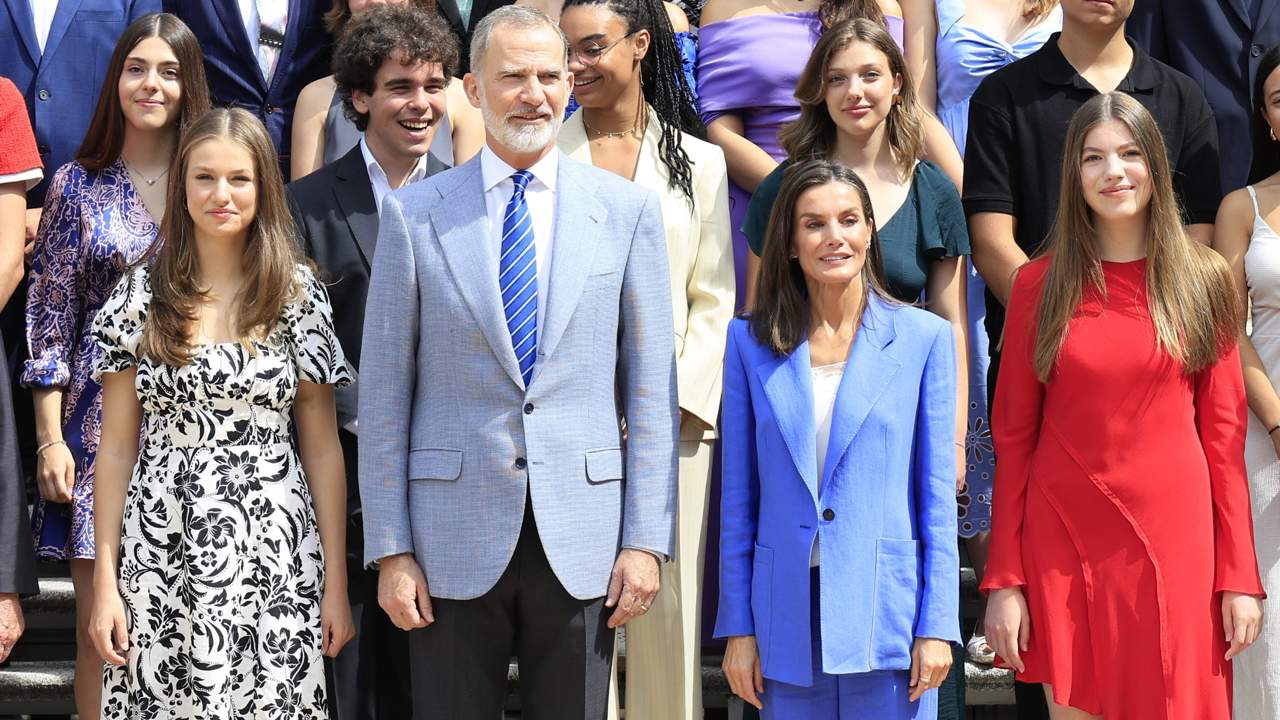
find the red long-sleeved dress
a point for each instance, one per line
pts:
(1121, 507)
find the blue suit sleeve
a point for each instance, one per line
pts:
(935, 494)
(740, 494)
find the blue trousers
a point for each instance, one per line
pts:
(878, 695)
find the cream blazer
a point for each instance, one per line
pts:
(699, 258)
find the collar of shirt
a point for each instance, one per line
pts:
(378, 176)
(493, 170)
(1054, 69)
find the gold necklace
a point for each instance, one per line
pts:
(633, 130)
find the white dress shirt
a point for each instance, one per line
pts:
(378, 176)
(826, 383)
(249, 16)
(541, 198)
(42, 12)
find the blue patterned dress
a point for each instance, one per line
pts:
(94, 225)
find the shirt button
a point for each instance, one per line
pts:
(528, 408)
(828, 514)
(521, 463)
(271, 109)
(1255, 50)
(43, 94)
(42, 149)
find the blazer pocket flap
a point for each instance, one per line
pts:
(435, 464)
(889, 546)
(604, 465)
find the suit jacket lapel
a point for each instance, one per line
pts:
(577, 228)
(470, 250)
(449, 9)
(61, 21)
(572, 139)
(232, 24)
(1264, 14)
(788, 386)
(354, 195)
(1242, 11)
(866, 376)
(650, 172)
(290, 44)
(20, 11)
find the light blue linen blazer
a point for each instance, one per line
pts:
(886, 516)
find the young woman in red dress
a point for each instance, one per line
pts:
(1122, 572)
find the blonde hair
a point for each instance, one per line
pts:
(1189, 288)
(813, 134)
(271, 254)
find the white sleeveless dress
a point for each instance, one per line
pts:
(1257, 671)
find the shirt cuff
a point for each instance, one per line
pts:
(656, 555)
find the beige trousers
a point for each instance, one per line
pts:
(664, 646)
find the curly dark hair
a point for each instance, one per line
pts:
(375, 36)
(335, 21)
(663, 82)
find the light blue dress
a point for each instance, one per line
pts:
(965, 56)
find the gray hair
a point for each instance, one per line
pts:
(516, 16)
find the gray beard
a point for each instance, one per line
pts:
(520, 139)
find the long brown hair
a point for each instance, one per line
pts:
(780, 320)
(105, 137)
(813, 134)
(271, 255)
(1189, 289)
(834, 12)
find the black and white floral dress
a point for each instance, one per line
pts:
(221, 569)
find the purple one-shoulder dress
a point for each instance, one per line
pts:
(748, 66)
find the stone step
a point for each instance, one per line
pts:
(55, 606)
(45, 687)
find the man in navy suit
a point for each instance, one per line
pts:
(259, 54)
(1218, 43)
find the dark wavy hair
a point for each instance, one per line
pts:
(834, 12)
(1266, 151)
(375, 36)
(336, 19)
(663, 83)
(105, 138)
(780, 320)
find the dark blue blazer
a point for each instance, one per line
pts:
(232, 65)
(1218, 44)
(62, 85)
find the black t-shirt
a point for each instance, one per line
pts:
(1018, 121)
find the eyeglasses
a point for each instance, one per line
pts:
(591, 55)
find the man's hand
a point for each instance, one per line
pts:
(11, 624)
(403, 593)
(632, 587)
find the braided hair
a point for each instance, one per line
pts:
(663, 83)
(834, 12)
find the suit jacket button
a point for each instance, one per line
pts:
(521, 463)
(528, 408)
(828, 514)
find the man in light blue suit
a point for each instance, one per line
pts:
(518, 316)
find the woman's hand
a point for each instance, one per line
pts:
(108, 628)
(1008, 625)
(930, 663)
(56, 473)
(336, 628)
(1241, 621)
(742, 669)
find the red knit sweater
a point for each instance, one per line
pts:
(17, 144)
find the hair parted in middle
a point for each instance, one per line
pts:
(1190, 291)
(403, 32)
(813, 134)
(271, 254)
(105, 137)
(780, 320)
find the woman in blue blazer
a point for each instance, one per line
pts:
(838, 568)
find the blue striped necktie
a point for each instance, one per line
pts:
(518, 277)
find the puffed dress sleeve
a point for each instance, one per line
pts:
(316, 350)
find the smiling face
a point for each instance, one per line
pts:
(150, 86)
(860, 89)
(1114, 175)
(407, 103)
(831, 234)
(222, 189)
(521, 89)
(604, 59)
(1271, 101)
